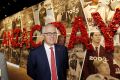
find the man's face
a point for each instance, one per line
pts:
(50, 35)
(96, 38)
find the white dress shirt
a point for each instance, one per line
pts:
(48, 53)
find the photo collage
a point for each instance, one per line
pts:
(84, 64)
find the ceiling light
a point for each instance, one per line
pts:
(8, 3)
(5, 15)
(3, 7)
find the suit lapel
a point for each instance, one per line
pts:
(101, 51)
(44, 57)
(57, 56)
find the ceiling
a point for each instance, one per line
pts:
(9, 7)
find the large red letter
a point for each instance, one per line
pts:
(34, 28)
(60, 27)
(7, 38)
(78, 25)
(16, 35)
(24, 39)
(108, 32)
(5, 42)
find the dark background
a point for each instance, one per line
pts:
(9, 7)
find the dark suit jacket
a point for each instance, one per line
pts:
(88, 67)
(38, 66)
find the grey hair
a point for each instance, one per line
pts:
(44, 27)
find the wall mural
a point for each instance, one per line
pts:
(91, 28)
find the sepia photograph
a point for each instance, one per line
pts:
(76, 60)
(66, 11)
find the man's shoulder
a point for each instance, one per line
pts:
(37, 49)
(60, 46)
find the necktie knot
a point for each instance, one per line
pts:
(51, 47)
(96, 48)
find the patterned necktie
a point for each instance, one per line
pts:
(53, 65)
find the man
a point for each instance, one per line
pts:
(95, 37)
(49, 61)
(3, 68)
(96, 52)
(103, 71)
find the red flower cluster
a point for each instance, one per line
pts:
(60, 27)
(83, 38)
(16, 35)
(36, 27)
(78, 26)
(108, 32)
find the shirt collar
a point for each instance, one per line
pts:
(95, 46)
(47, 46)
